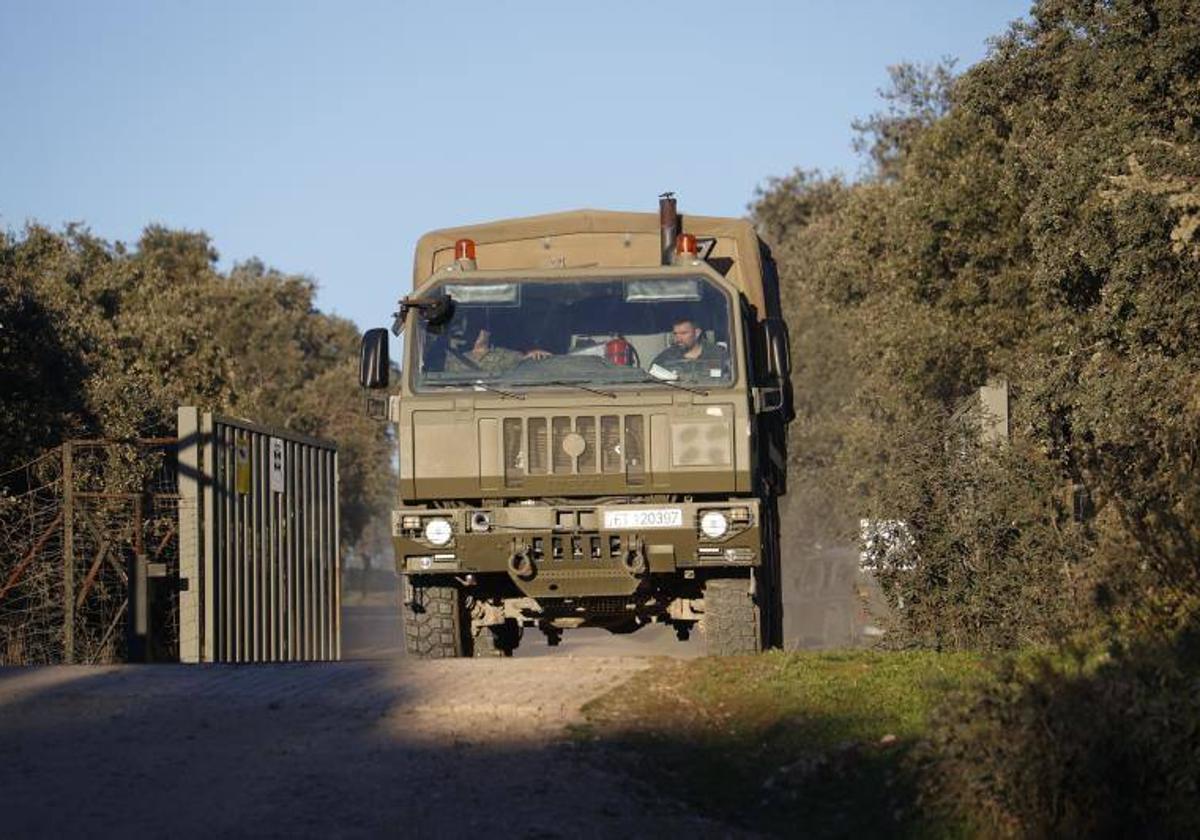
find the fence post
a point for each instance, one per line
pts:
(68, 479)
(137, 635)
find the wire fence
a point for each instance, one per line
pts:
(89, 554)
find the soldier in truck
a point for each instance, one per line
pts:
(690, 357)
(464, 353)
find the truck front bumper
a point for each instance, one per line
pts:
(611, 545)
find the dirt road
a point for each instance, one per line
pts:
(389, 747)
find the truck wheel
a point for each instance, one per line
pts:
(436, 625)
(732, 623)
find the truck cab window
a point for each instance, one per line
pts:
(603, 331)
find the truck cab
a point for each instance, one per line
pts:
(591, 419)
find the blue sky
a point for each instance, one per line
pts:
(325, 137)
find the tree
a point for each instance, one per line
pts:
(1036, 219)
(917, 96)
(102, 341)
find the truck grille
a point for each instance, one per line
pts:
(584, 445)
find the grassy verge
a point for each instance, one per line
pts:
(788, 743)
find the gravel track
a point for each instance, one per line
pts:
(390, 747)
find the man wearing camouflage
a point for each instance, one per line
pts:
(488, 357)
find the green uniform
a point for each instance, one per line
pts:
(495, 360)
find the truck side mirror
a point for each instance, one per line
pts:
(779, 365)
(779, 356)
(373, 361)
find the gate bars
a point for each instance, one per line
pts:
(259, 559)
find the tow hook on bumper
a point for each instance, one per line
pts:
(634, 560)
(521, 565)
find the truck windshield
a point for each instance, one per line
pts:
(599, 332)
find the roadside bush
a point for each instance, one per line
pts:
(996, 561)
(1067, 748)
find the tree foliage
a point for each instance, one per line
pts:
(1035, 220)
(98, 340)
(916, 97)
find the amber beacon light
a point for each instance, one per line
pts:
(464, 249)
(685, 244)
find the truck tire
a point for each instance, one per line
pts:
(436, 625)
(732, 623)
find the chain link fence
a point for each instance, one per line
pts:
(89, 554)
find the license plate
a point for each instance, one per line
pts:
(625, 520)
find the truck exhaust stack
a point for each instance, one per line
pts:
(668, 220)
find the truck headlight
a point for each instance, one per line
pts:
(714, 524)
(437, 531)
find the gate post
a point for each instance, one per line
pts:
(190, 531)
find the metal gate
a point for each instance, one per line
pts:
(259, 559)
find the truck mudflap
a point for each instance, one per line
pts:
(578, 549)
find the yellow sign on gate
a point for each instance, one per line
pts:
(242, 472)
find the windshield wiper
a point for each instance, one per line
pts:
(486, 387)
(647, 380)
(566, 383)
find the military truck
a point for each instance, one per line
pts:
(591, 421)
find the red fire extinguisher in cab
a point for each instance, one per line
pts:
(618, 351)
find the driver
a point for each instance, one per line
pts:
(689, 357)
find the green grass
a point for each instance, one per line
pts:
(789, 743)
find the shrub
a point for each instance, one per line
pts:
(1068, 748)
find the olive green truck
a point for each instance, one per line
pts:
(591, 422)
